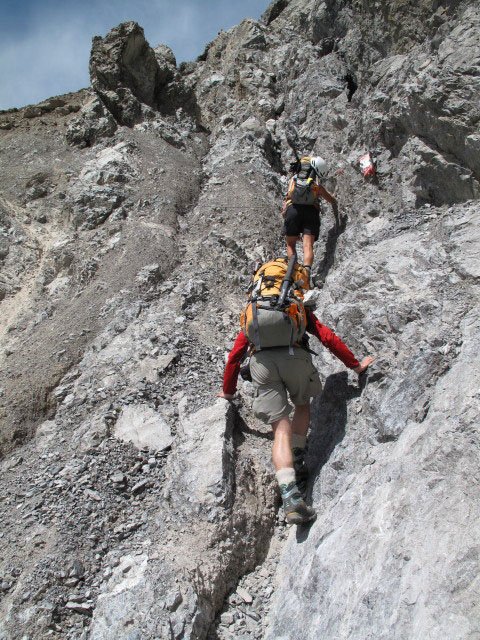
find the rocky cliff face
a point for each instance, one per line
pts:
(134, 505)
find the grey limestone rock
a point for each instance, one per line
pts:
(128, 75)
(123, 71)
(143, 427)
(203, 461)
(125, 246)
(393, 576)
(93, 124)
(166, 63)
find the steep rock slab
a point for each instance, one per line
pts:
(424, 115)
(385, 558)
(399, 277)
(174, 589)
(203, 464)
(464, 239)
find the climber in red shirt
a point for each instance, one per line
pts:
(275, 372)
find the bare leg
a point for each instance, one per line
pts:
(292, 245)
(308, 242)
(282, 443)
(301, 419)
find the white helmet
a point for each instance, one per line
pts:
(319, 165)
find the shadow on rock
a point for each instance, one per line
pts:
(328, 424)
(241, 428)
(329, 419)
(302, 532)
(330, 246)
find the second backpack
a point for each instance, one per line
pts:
(303, 188)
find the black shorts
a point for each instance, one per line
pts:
(302, 218)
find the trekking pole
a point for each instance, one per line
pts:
(287, 281)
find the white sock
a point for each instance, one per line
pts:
(298, 441)
(285, 476)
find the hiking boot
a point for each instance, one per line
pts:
(296, 511)
(301, 470)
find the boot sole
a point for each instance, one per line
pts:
(297, 518)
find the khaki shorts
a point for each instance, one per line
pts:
(274, 373)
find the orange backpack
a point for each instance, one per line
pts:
(274, 315)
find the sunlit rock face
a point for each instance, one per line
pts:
(136, 505)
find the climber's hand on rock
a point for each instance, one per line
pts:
(363, 366)
(226, 396)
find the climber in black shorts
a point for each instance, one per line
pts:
(304, 219)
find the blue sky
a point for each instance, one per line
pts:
(45, 44)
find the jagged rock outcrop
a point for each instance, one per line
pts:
(132, 83)
(124, 71)
(94, 123)
(133, 504)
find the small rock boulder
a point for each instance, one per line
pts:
(143, 427)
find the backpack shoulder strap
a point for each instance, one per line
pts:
(256, 332)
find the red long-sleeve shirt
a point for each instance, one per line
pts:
(314, 326)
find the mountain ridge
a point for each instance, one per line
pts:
(129, 214)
